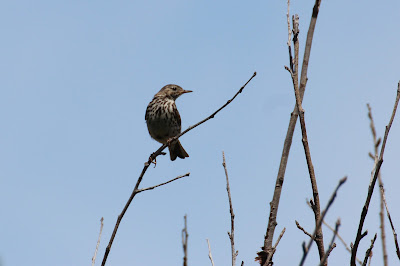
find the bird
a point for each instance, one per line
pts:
(163, 119)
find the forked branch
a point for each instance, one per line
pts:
(375, 172)
(318, 225)
(380, 181)
(274, 204)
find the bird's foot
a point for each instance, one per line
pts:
(153, 159)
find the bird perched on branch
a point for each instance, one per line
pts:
(163, 119)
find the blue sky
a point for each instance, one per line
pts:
(76, 77)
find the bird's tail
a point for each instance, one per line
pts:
(176, 150)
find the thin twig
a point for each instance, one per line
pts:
(319, 239)
(274, 204)
(209, 252)
(135, 191)
(368, 253)
(332, 245)
(302, 229)
(232, 233)
(376, 170)
(185, 237)
(98, 241)
(328, 252)
(162, 184)
(274, 247)
(391, 223)
(380, 181)
(291, 61)
(340, 238)
(279, 238)
(318, 225)
(152, 157)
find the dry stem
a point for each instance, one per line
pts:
(391, 223)
(380, 181)
(232, 233)
(274, 204)
(209, 253)
(274, 247)
(341, 239)
(368, 253)
(375, 170)
(316, 205)
(98, 241)
(303, 230)
(318, 224)
(185, 237)
(332, 245)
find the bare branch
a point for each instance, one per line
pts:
(328, 252)
(380, 181)
(209, 253)
(288, 23)
(391, 223)
(332, 245)
(185, 237)
(376, 169)
(302, 229)
(317, 212)
(279, 237)
(152, 157)
(162, 184)
(340, 238)
(274, 247)
(318, 225)
(368, 253)
(274, 204)
(291, 61)
(232, 233)
(98, 241)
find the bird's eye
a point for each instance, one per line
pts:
(174, 88)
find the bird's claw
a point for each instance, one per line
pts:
(154, 161)
(151, 160)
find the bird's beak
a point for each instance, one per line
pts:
(186, 91)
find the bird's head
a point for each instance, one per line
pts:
(172, 91)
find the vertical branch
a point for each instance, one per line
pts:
(185, 237)
(274, 204)
(316, 204)
(391, 224)
(380, 181)
(232, 233)
(98, 241)
(375, 170)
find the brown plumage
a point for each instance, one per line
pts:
(163, 119)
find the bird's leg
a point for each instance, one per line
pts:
(151, 160)
(154, 161)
